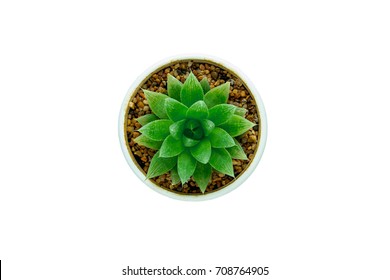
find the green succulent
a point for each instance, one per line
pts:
(193, 130)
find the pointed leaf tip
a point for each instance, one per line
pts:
(221, 113)
(186, 165)
(175, 176)
(202, 151)
(237, 125)
(219, 138)
(198, 111)
(202, 175)
(156, 130)
(156, 102)
(191, 91)
(147, 142)
(171, 147)
(176, 110)
(145, 119)
(217, 95)
(174, 87)
(160, 165)
(221, 161)
(237, 151)
(205, 85)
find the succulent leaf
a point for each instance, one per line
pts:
(202, 151)
(147, 142)
(171, 147)
(207, 126)
(145, 119)
(156, 102)
(156, 130)
(186, 165)
(236, 125)
(160, 165)
(221, 113)
(174, 87)
(219, 138)
(240, 111)
(221, 161)
(205, 85)
(198, 111)
(236, 151)
(191, 91)
(217, 95)
(176, 110)
(176, 129)
(188, 142)
(202, 175)
(175, 176)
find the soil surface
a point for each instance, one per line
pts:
(239, 96)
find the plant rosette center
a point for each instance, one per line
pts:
(193, 130)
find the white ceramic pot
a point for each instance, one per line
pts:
(262, 127)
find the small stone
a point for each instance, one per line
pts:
(138, 153)
(237, 169)
(252, 139)
(140, 104)
(131, 105)
(214, 75)
(243, 93)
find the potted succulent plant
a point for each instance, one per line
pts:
(192, 128)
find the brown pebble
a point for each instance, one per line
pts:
(140, 104)
(252, 139)
(214, 75)
(131, 105)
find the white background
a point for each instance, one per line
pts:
(317, 206)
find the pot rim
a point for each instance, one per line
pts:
(262, 116)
